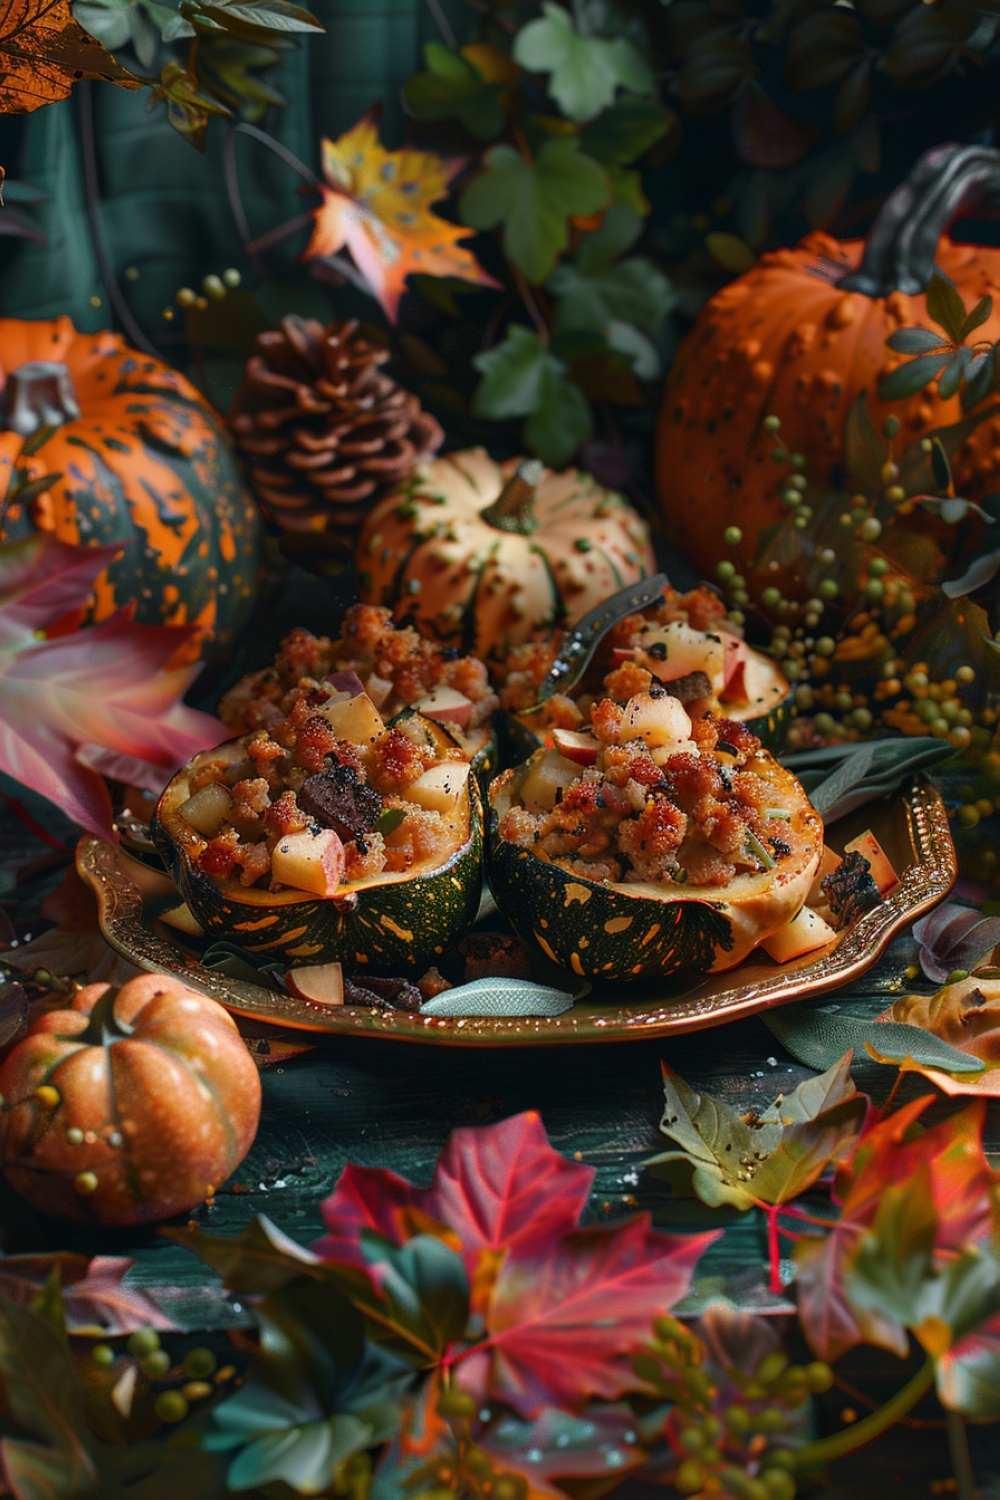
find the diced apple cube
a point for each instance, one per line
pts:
(354, 719)
(656, 720)
(576, 746)
(549, 777)
(312, 862)
(207, 809)
(441, 788)
(882, 872)
(323, 983)
(803, 934)
(675, 650)
(447, 706)
(831, 859)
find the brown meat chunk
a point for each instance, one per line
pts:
(340, 800)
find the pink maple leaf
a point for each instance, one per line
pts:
(74, 705)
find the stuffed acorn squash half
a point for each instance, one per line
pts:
(654, 844)
(332, 838)
(396, 667)
(683, 642)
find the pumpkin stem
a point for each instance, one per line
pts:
(103, 1026)
(903, 242)
(38, 394)
(514, 507)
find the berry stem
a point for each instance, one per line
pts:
(825, 1450)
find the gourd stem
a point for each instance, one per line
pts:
(514, 507)
(825, 1450)
(902, 244)
(103, 1025)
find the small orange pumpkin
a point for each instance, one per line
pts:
(129, 1107)
(100, 444)
(799, 337)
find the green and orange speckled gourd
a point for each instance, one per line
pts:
(102, 444)
(799, 337)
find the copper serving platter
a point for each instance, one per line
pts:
(912, 828)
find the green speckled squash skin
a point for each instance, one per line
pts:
(603, 931)
(146, 463)
(772, 728)
(397, 926)
(595, 931)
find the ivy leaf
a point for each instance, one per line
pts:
(768, 1158)
(961, 1186)
(453, 86)
(968, 1375)
(626, 130)
(633, 291)
(562, 1324)
(494, 1188)
(617, 232)
(534, 200)
(945, 306)
(586, 71)
(377, 204)
(522, 377)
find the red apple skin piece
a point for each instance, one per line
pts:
(737, 652)
(576, 746)
(446, 706)
(346, 682)
(321, 983)
(325, 861)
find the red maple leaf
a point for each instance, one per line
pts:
(562, 1325)
(563, 1308)
(498, 1187)
(963, 1188)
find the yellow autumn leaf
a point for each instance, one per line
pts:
(377, 204)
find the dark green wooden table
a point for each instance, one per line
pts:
(392, 1104)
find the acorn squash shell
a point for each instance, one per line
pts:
(400, 924)
(622, 932)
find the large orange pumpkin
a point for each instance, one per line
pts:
(799, 337)
(130, 1107)
(134, 455)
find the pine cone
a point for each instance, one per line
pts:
(323, 433)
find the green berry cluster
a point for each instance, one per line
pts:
(196, 1372)
(464, 1470)
(726, 1429)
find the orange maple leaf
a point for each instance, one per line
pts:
(377, 204)
(43, 52)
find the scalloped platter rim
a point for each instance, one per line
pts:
(912, 827)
